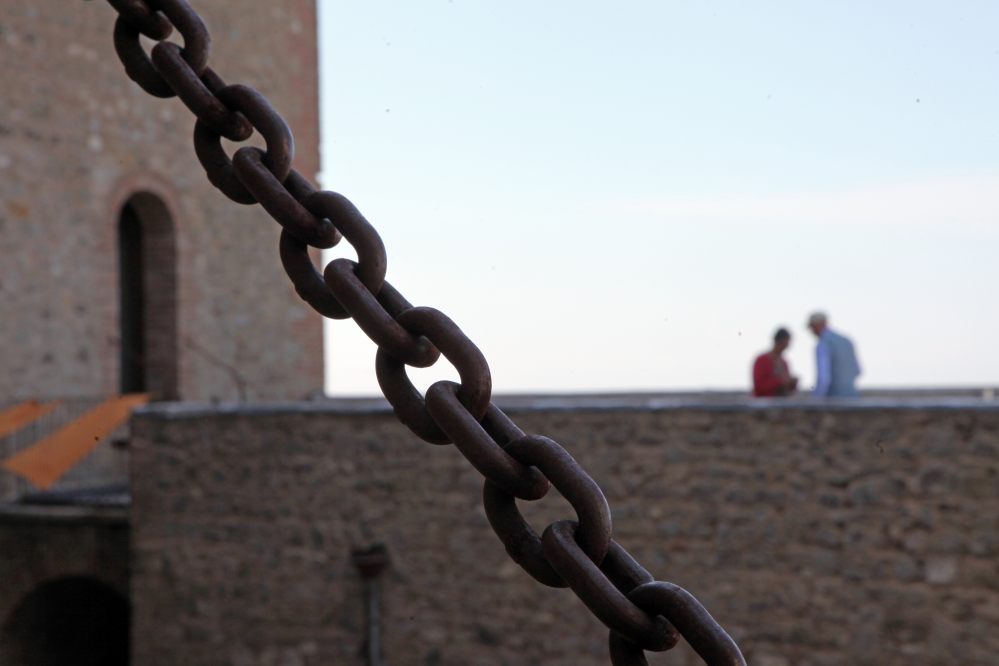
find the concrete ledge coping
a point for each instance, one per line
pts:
(36, 513)
(726, 402)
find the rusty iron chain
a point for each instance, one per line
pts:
(642, 614)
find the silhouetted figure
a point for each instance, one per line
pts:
(771, 376)
(835, 360)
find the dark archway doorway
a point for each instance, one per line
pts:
(148, 298)
(73, 621)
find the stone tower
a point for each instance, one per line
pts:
(122, 269)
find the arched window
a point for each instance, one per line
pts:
(72, 621)
(148, 288)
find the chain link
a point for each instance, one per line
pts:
(641, 613)
(177, 13)
(153, 24)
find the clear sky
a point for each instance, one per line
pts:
(634, 195)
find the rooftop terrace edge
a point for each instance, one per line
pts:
(580, 403)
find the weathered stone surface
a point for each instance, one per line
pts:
(38, 546)
(815, 537)
(77, 139)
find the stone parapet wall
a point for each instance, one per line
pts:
(862, 533)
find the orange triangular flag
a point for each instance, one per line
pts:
(18, 416)
(44, 462)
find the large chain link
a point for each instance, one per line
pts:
(641, 613)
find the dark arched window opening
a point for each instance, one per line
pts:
(133, 376)
(148, 289)
(74, 621)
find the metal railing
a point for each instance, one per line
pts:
(106, 467)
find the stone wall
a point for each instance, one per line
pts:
(39, 544)
(78, 139)
(863, 534)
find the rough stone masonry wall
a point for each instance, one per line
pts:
(816, 537)
(35, 549)
(77, 138)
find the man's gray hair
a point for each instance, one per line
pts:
(817, 319)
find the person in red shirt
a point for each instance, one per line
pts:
(771, 376)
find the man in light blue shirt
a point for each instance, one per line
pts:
(835, 359)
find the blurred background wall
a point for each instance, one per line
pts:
(866, 534)
(91, 166)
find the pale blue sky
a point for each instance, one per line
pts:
(634, 195)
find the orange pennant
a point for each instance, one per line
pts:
(15, 418)
(46, 461)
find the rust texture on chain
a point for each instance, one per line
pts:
(642, 614)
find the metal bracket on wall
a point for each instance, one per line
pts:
(370, 562)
